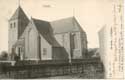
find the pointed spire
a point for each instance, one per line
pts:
(19, 13)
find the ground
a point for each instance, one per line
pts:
(79, 76)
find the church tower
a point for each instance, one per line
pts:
(17, 25)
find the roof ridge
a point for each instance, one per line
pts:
(39, 20)
(69, 24)
(44, 27)
(73, 17)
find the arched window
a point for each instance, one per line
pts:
(75, 41)
(11, 25)
(19, 51)
(14, 24)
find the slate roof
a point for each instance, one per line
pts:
(19, 14)
(66, 25)
(45, 29)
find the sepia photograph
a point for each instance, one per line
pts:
(61, 39)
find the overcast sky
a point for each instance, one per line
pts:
(91, 14)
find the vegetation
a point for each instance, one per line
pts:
(4, 55)
(93, 52)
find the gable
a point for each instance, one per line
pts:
(66, 25)
(29, 26)
(45, 30)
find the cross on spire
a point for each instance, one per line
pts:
(18, 2)
(73, 12)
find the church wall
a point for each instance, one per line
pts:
(13, 33)
(36, 47)
(26, 42)
(76, 51)
(31, 46)
(64, 41)
(80, 51)
(46, 49)
(84, 44)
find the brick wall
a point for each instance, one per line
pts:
(47, 70)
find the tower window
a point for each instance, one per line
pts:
(11, 25)
(14, 24)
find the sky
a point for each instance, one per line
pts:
(91, 15)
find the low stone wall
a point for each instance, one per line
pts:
(47, 70)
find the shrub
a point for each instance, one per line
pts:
(3, 55)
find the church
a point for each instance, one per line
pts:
(35, 39)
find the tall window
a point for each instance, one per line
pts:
(44, 51)
(14, 24)
(11, 25)
(75, 41)
(19, 51)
